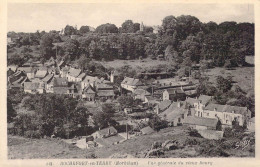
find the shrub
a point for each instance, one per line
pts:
(194, 133)
(191, 142)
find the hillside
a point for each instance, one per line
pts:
(191, 147)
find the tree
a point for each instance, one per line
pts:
(128, 26)
(107, 28)
(101, 119)
(136, 27)
(219, 125)
(69, 30)
(46, 46)
(125, 101)
(245, 124)
(148, 29)
(108, 108)
(83, 62)
(84, 29)
(156, 123)
(71, 48)
(11, 113)
(224, 84)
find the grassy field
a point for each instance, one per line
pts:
(20, 148)
(241, 75)
(135, 64)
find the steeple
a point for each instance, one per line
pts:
(142, 27)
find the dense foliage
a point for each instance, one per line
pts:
(179, 38)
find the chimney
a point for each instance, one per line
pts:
(108, 131)
(179, 104)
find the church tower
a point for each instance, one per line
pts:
(142, 27)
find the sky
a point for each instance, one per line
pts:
(22, 17)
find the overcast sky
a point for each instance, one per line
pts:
(32, 17)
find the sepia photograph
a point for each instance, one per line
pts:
(130, 80)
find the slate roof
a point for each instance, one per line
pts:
(81, 76)
(104, 86)
(104, 131)
(74, 72)
(90, 79)
(227, 108)
(105, 93)
(130, 81)
(47, 78)
(174, 91)
(109, 140)
(173, 112)
(147, 130)
(191, 101)
(164, 104)
(60, 82)
(204, 99)
(60, 63)
(65, 69)
(12, 67)
(89, 90)
(201, 121)
(26, 69)
(41, 74)
(33, 85)
(10, 72)
(141, 92)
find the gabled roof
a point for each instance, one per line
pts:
(81, 76)
(173, 112)
(104, 86)
(26, 69)
(201, 121)
(60, 82)
(47, 78)
(131, 81)
(90, 79)
(65, 69)
(41, 74)
(105, 131)
(33, 85)
(227, 108)
(74, 72)
(10, 72)
(191, 101)
(204, 99)
(147, 130)
(12, 67)
(164, 104)
(105, 93)
(61, 63)
(89, 90)
(109, 140)
(141, 92)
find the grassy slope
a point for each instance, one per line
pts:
(133, 63)
(21, 148)
(241, 75)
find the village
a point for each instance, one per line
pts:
(173, 100)
(178, 87)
